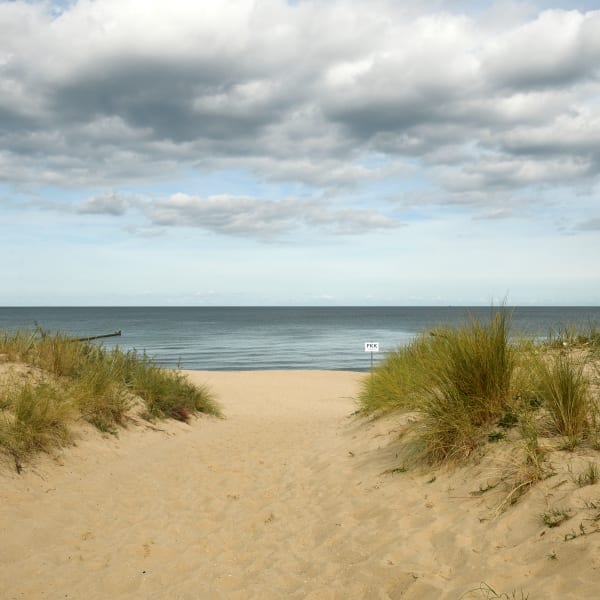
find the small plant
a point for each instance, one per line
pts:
(496, 436)
(487, 592)
(556, 516)
(590, 476)
(508, 420)
(401, 469)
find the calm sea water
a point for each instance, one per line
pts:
(240, 338)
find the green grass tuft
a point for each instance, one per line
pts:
(170, 394)
(469, 387)
(37, 419)
(590, 476)
(564, 390)
(398, 383)
(459, 379)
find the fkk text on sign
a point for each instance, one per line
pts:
(371, 346)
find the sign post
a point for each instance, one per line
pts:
(371, 347)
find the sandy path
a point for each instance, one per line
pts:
(229, 508)
(285, 498)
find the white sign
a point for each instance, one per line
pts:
(371, 346)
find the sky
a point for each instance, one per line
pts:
(307, 152)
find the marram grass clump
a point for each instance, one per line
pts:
(398, 383)
(81, 380)
(468, 385)
(469, 388)
(458, 379)
(564, 389)
(33, 419)
(168, 394)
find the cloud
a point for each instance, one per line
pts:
(504, 172)
(109, 204)
(261, 219)
(496, 214)
(592, 224)
(240, 216)
(557, 49)
(115, 92)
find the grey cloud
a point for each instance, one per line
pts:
(242, 216)
(262, 219)
(496, 214)
(144, 232)
(576, 134)
(100, 95)
(503, 172)
(557, 49)
(590, 225)
(169, 101)
(109, 204)
(325, 173)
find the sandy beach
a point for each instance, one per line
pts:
(288, 496)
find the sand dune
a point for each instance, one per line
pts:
(287, 497)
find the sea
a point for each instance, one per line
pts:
(257, 338)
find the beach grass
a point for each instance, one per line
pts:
(469, 388)
(399, 382)
(465, 382)
(34, 418)
(82, 380)
(572, 336)
(168, 394)
(564, 389)
(457, 378)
